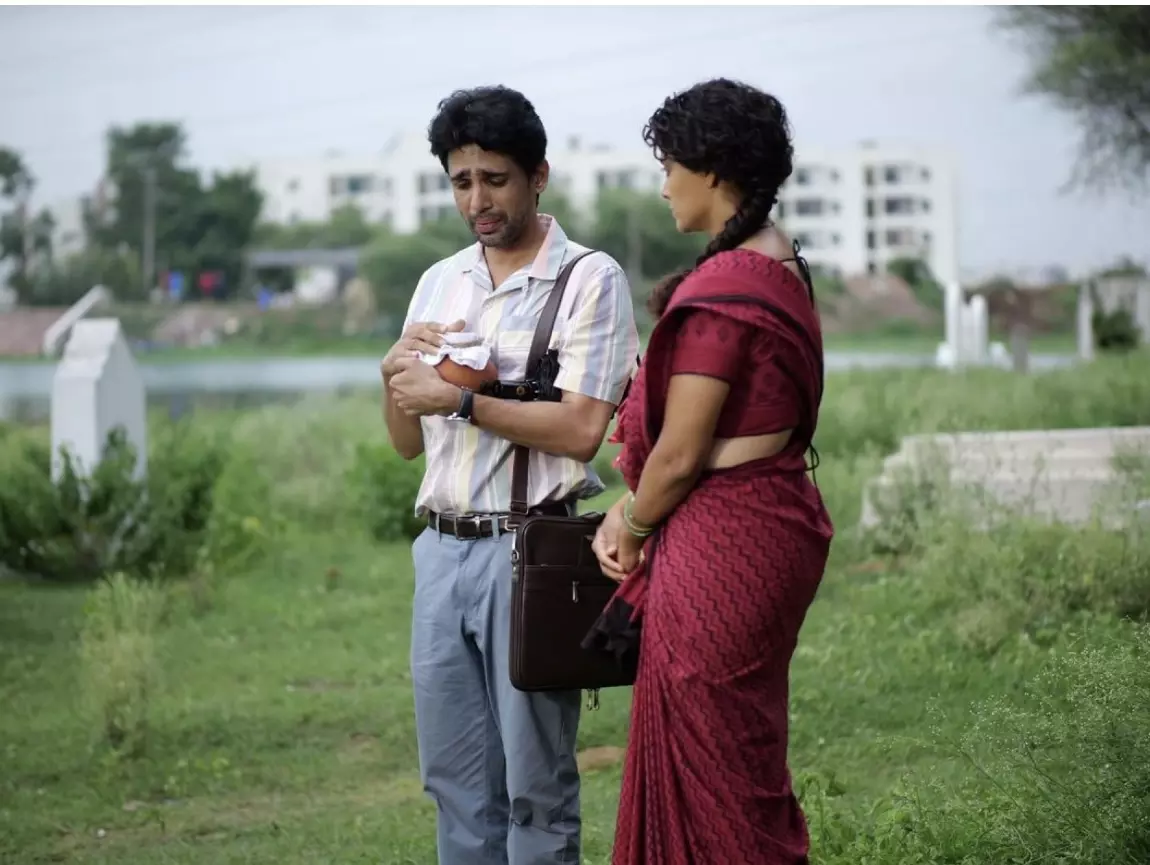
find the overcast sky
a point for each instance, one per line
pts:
(264, 81)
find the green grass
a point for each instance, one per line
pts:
(282, 730)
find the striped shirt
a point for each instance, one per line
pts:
(469, 469)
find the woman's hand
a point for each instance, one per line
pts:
(629, 548)
(605, 547)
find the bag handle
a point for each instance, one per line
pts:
(539, 343)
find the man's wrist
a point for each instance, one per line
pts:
(452, 397)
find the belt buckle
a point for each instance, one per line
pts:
(477, 522)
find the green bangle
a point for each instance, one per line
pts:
(629, 521)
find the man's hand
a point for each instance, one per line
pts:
(421, 336)
(418, 390)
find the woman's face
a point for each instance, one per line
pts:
(690, 195)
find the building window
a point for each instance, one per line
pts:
(430, 182)
(924, 205)
(426, 215)
(358, 183)
(899, 237)
(870, 177)
(890, 174)
(806, 240)
(898, 205)
(626, 180)
(925, 174)
(808, 207)
(870, 240)
(780, 210)
(834, 175)
(803, 176)
(870, 207)
(602, 181)
(293, 185)
(836, 239)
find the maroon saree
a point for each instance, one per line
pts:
(716, 610)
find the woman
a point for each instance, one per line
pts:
(724, 538)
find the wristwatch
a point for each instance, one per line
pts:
(466, 402)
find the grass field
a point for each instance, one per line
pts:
(281, 727)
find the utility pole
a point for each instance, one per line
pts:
(149, 245)
(25, 230)
(634, 242)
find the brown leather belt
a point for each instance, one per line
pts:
(472, 527)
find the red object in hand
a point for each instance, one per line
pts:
(465, 376)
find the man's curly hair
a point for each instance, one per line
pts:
(735, 132)
(497, 119)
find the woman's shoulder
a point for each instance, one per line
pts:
(743, 261)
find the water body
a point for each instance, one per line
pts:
(25, 388)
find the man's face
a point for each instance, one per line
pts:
(494, 195)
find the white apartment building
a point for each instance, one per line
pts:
(852, 210)
(404, 186)
(855, 210)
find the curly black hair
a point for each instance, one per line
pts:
(497, 119)
(740, 135)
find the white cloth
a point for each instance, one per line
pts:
(466, 349)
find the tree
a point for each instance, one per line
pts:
(14, 174)
(916, 273)
(23, 237)
(394, 263)
(1094, 62)
(195, 228)
(639, 232)
(347, 227)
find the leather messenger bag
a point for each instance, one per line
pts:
(558, 590)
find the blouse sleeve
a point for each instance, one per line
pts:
(710, 344)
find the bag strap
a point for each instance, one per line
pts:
(539, 343)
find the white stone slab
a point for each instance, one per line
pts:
(96, 388)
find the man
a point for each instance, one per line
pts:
(499, 763)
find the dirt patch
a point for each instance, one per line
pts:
(602, 757)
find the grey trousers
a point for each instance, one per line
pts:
(498, 763)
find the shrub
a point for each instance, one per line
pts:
(323, 464)
(1115, 331)
(82, 526)
(118, 662)
(1030, 579)
(1060, 776)
(866, 411)
(385, 486)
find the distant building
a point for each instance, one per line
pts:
(404, 186)
(855, 210)
(68, 236)
(852, 210)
